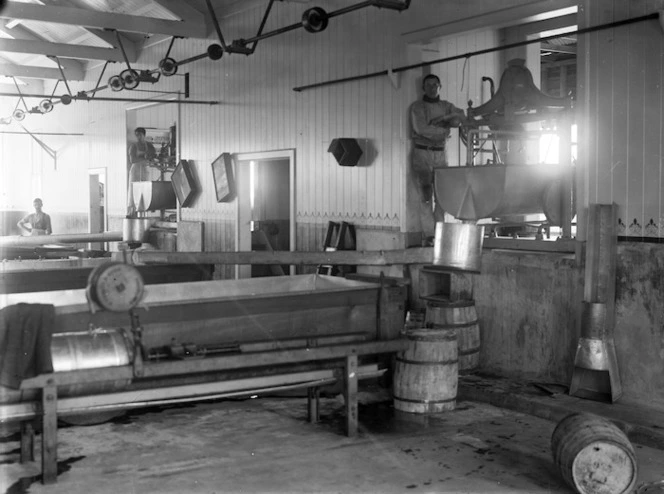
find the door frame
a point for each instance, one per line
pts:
(278, 155)
(104, 227)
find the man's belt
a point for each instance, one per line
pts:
(429, 148)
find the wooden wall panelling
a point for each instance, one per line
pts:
(653, 131)
(638, 169)
(620, 103)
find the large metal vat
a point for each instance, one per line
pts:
(221, 315)
(228, 312)
(153, 196)
(494, 191)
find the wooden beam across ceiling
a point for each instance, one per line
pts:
(183, 11)
(62, 50)
(29, 72)
(71, 67)
(567, 49)
(102, 20)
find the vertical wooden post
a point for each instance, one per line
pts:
(27, 441)
(313, 402)
(50, 433)
(350, 389)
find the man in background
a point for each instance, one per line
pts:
(37, 223)
(140, 154)
(430, 121)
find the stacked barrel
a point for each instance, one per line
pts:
(445, 337)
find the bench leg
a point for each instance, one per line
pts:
(50, 434)
(350, 391)
(313, 404)
(27, 441)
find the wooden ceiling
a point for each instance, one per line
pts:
(44, 39)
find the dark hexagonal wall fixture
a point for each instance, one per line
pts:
(346, 151)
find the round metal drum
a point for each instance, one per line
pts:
(115, 286)
(458, 246)
(91, 350)
(136, 229)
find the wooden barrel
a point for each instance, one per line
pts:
(461, 317)
(426, 373)
(593, 455)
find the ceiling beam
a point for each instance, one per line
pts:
(101, 20)
(183, 11)
(74, 67)
(106, 36)
(29, 87)
(61, 50)
(563, 21)
(29, 72)
(510, 16)
(570, 50)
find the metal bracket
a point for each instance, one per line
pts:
(51, 152)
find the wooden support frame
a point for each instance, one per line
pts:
(334, 357)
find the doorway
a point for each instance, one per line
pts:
(97, 205)
(266, 208)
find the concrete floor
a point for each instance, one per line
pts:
(265, 445)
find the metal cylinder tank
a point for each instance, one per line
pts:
(91, 350)
(136, 229)
(458, 246)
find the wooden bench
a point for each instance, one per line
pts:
(273, 370)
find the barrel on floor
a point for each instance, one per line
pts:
(593, 455)
(426, 374)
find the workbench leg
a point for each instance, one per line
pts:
(27, 441)
(350, 390)
(50, 434)
(313, 402)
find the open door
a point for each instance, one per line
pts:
(266, 211)
(97, 208)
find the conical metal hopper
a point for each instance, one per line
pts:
(473, 193)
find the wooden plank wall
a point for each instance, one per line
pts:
(623, 108)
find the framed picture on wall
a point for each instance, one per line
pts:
(184, 183)
(224, 183)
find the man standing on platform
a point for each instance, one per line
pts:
(430, 120)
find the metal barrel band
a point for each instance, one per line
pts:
(448, 304)
(433, 402)
(426, 362)
(469, 351)
(455, 325)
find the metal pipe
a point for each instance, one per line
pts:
(262, 25)
(42, 133)
(350, 8)
(62, 73)
(269, 34)
(481, 52)
(415, 255)
(99, 80)
(192, 59)
(133, 100)
(71, 238)
(216, 24)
